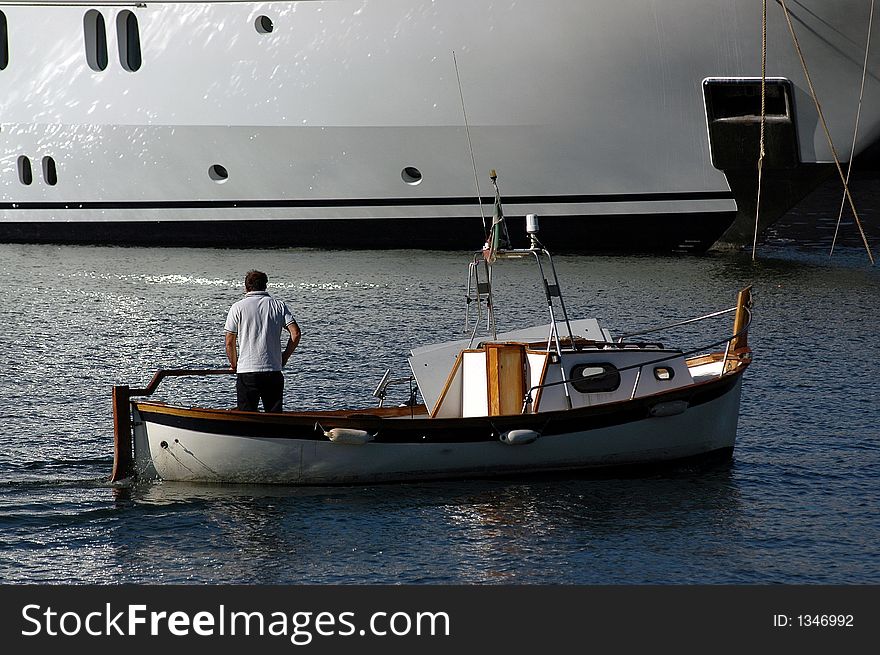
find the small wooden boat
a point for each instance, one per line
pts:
(558, 397)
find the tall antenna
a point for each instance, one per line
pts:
(467, 130)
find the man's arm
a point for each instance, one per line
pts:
(231, 352)
(292, 342)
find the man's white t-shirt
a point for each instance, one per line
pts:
(258, 319)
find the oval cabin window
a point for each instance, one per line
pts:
(50, 173)
(595, 378)
(4, 42)
(96, 40)
(129, 38)
(664, 373)
(25, 172)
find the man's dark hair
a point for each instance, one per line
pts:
(255, 281)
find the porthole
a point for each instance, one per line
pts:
(264, 25)
(664, 373)
(129, 39)
(218, 173)
(50, 173)
(595, 378)
(4, 42)
(25, 173)
(96, 40)
(411, 175)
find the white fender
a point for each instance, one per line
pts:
(518, 437)
(348, 436)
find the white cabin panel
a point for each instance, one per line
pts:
(663, 376)
(536, 363)
(654, 377)
(474, 382)
(450, 401)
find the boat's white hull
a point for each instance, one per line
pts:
(173, 453)
(590, 112)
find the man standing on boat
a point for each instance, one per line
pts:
(257, 322)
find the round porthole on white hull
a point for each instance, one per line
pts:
(218, 173)
(411, 175)
(264, 25)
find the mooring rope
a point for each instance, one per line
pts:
(852, 151)
(763, 120)
(825, 128)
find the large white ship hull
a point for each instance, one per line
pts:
(344, 124)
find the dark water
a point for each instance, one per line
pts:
(797, 505)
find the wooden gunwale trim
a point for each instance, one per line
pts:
(156, 407)
(742, 353)
(710, 358)
(310, 425)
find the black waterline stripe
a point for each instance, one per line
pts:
(371, 202)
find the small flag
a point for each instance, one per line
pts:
(498, 237)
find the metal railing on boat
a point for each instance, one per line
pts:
(737, 342)
(551, 291)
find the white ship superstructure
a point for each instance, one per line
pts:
(344, 123)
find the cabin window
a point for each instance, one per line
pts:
(264, 25)
(4, 42)
(664, 373)
(218, 173)
(50, 173)
(96, 40)
(411, 175)
(129, 38)
(25, 173)
(595, 378)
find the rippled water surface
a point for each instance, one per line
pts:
(797, 505)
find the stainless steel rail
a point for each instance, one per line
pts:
(746, 312)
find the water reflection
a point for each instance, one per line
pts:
(525, 530)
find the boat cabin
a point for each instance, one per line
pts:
(534, 370)
(518, 374)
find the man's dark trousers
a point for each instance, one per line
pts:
(267, 386)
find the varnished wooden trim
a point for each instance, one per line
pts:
(505, 377)
(711, 358)
(311, 425)
(449, 379)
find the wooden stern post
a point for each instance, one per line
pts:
(123, 459)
